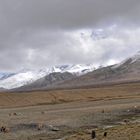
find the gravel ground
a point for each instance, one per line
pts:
(65, 121)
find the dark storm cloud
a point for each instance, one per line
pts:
(38, 33)
(65, 13)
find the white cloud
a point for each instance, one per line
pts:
(43, 48)
(39, 33)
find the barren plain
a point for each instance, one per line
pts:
(72, 114)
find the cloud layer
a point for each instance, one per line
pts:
(40, 33)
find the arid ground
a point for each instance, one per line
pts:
(72, 114)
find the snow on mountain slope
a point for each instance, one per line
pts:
(132, 59)
(28, 76)
(136, 57)
(125, 72)
(79, 69)
(19, 79)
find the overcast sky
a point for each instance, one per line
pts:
(42, 33)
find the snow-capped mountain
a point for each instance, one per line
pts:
(130, 60)
(76, 69)
(48, 81)
(125, 72)
(25, 77)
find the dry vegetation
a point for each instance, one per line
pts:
(71, 95)
(72, 114)
(121, 132)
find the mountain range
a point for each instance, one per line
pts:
(25, 77)
(126, 71)
(73, 76)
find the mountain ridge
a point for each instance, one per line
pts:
(81, 75)
(125, 72)
(26, 77)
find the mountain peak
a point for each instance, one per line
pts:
(27, 76)
(130, 60)
(136, 56)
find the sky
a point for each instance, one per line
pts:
(41, 33)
